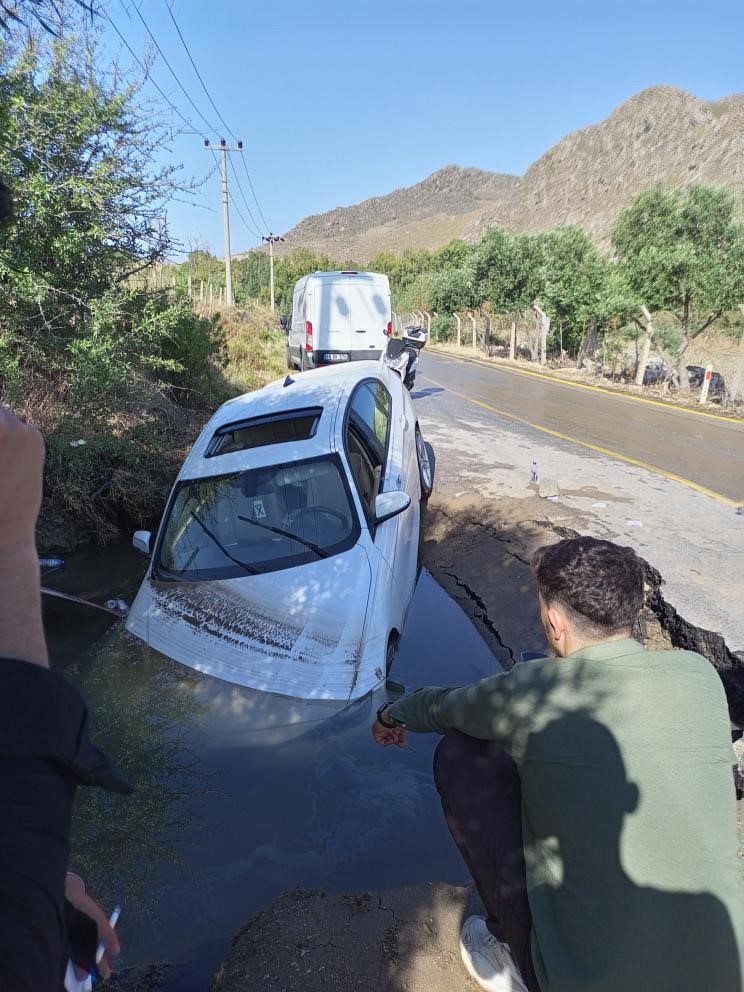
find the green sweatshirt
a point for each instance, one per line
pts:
(628, 813)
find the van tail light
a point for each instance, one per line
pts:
(390, 329)
(308, 336)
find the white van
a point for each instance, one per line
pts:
(339, 317)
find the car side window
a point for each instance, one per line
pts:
(370, 408)
(366, 437)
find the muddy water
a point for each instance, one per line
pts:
(241, 795)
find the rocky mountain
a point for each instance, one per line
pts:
(661, 135)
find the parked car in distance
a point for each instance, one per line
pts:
(339, 317)
(655, 372)
(287, 555)
(716, 390)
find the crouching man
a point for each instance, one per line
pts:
(591, 797)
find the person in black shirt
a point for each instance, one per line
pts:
(45, 747)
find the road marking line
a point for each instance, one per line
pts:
(592, 447)
(585, 385)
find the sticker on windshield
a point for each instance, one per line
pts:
(258, 509)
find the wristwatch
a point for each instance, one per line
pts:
(392, 723)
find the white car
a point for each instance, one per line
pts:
(287, 555)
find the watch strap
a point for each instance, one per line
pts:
(388, 724)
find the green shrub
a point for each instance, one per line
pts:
(131, 333)
(442, 329)
(11, 372)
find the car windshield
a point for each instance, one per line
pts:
(260, 520)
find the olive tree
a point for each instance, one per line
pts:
(683, 251)
(574, 275)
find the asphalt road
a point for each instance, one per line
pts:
(704, 451)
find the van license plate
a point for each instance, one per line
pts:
(335, 356)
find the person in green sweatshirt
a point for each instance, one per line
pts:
(591, 797)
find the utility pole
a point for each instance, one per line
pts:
(270, 239)
(544, 325)
(224, 149)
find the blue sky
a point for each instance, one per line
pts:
(339, 101)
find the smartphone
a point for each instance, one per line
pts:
(87, 984)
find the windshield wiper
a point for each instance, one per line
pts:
(320, 552)
(244, 565)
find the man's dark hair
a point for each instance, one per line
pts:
(599, 583)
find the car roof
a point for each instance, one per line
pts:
(326, 387)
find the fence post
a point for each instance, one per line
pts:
(189, 288)
(201, 290)
(459, 326)
(706, 383)
(513, 339)
(544, 325)
(471, 318)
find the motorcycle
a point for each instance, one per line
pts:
(402, 354)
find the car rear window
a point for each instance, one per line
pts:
(294, 425)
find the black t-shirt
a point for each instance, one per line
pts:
(45, 752)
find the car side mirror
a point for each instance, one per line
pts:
(389, 505)
(142, 542)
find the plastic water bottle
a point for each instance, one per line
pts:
(533, 472)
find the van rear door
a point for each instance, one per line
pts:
(331, 320)
(368, 297)
(351, 316)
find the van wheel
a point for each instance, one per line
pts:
(302, 360)
(290, 364)
(425, 465)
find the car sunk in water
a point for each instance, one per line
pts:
(287, 556)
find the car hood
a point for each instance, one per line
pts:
(298, 632)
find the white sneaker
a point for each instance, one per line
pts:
(487, 959)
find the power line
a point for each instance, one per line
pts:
(210, 128)
(250, 183)
(248, 227)
(213, 105)
(245, 201)
(146, 71)
(198, 74)
(222, 121)
(234, 204)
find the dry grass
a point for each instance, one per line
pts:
(254, 348)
